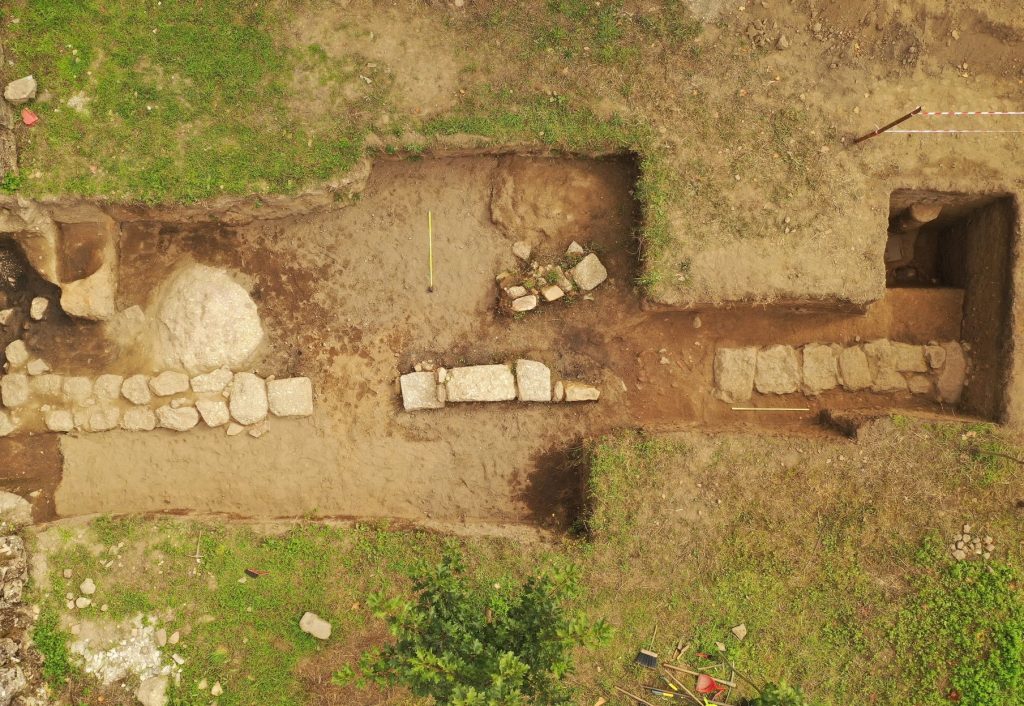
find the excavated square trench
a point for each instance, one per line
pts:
(342, 294)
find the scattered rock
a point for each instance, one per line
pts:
(108, 387)
(214, 412)
(206, 321)
(533, 381)
(136, 389)
(14, 390)
(20, 91)
(909, 358)
(83, 602)
(37, 310)
(935, 355)
(16, 353)
(574, 249)
(516, 291)
(59, 420)
(169, 382)
(950, 380)
(77, 388)
(481, 383)
(854, 369)
(138, 419)
(783, 42)
(37, 366)
(821, 370)
(526, 303)
(589, 273)
(181, 419)
(521, 249)
(217, 689)
(212, 382)
(777, 371)
(235, 429)
(581, 392)
(734, 373)
(290, 397)
(174, 638)
(419, 391)
(67, 573)
(15, 510)
(314, 625)
(740, 631)
(552, 293)
(153, 691)
(87, 587)
(104, 418)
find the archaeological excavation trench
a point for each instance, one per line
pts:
(339, 295)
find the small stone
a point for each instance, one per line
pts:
(697, 323)
(935, 355)
(174, 638)
(290, 397)
(216, 689)
(248, 401)
(104, 608)
(533, 381)
(559, 393)
(212, 382)
(740, 631)
(734, 373)
(14, 390)
(16, 353)
(202, 685)
(161, 637)
(521, 249)
(7, 426)
(581, 392)
(87, 587)
(5, 316)
(589, 273)
(419, 391)
(67, 573)
(83, 602)
(169, 382)
(37, 366)
(108, 387)
(235, 429)
(138, 418)
(178, 659)
(966, 529)
(37, 309)
(515, 292)
(526, 303)
(783, 42)
(181, 419)
(442, 375)
(214, 412)
(959, 555)
(104, 418)
(259, 429)
(77, 388)
(959, 544)
(574, 249)
(552, 293)
(59, 420)
(136, 389)
(20, 91)
(313, 624)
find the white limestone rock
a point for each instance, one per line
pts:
(180, 419)
(37, 309)
(734, 373)
(521, 249)
(481, 383)
(574, 249)
(138, 418)
(108, 386)
(21, 90)
(581, 392)
(313, 624)
(14, 390)
(552, 293)
(212, 382)
(533, 381)
(419, 391)
(248, 401)
(559, 393)
(135, 389)
(77, 388)
(589, 273)
(206, 321)
(527, 303)
(59, 420)
(214, 412)
(169, 382)
(37, 366)
(16, 353)
(290, 397)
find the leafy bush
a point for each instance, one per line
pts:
(471, 644)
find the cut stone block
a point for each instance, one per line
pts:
(60, 420)
(854, 369)
(734, 373)
(248, 402)
(136, 389)
(212, 382)
(552, 293)
(533, 381)
(180, 419)
(581, 392)
(16, 353)
(589, 273)
(14, 390)
(169, 382)
(214, 412)
(419, 391)
(290, 397)
(950, 381)
(481, 383)
(527, 303)
(777, 371)
(104, 418)
(821, 371)
(909, 358)
(138, 419)
(108, 387)
(77, 388)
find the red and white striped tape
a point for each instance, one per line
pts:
(935, 113)
(951, 132)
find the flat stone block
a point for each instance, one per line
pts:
(419, 391)
(481, 383)
(290, 397)
(533, 380)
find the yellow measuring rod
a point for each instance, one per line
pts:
(430, 249)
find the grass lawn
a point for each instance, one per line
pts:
(836, 561)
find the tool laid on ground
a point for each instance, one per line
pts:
(430, 249)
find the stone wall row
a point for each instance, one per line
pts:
(171, 400)
(938, 370)
(526, 381)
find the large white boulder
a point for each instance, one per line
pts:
(205, 321)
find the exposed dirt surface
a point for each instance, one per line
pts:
(344, 298)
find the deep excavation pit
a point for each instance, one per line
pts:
(342, 294)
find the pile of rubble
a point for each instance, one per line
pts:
(964, 545)
(526, 381)
(34, 397)
(937, 369)
(523, 291)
